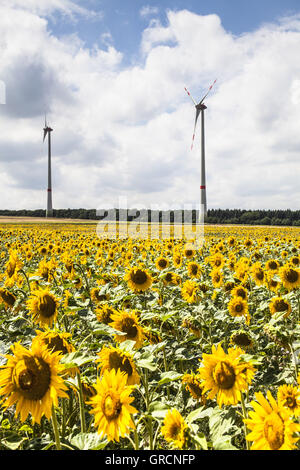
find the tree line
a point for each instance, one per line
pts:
(285, 217)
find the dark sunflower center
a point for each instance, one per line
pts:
(111, 407)
(169, 277)
(239, 308)
(274, 431)
(8, 297)
(56, 344)
(189, 253)
(290, 402)
(174, 430)
(118, 362)
(224, 375)
(129, 327)
(47, 306)
(195, 389)
(194, 269)
(139, 277)
(162, 263)
(281, 306)
(259, 275)
(32, 376)
(241, 293)
(10, 269)
(273, 265)
(242, 339)
(292, 276)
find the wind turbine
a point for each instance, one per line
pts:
(48, 130)
(200, 107)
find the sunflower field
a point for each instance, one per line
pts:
(149, 344)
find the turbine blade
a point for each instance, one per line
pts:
(45, 133)
(196, 119)
(207, 92)
(190, 96)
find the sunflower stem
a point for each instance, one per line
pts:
(245, 417)
(294, 361)
(55, 429)
(81, 404)
(27, 280)
(166, 369)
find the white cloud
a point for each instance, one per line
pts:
(126, 131)
(148, 10)
(48, 7)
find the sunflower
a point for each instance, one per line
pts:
(98, 296)
(116, 358)
(193, 269)
(45, 269)
(171, 278)
(42, 304)
(55, 341)
(189, 291)
(242, 339)
(272, 265)
(138, 279)
(12, 268)
(153, 336)
(177, 259)
(174, 429)
(8, 298)
(295, 260)
(104, 313)
(225, 375)
(216, 277)
(240, 291)
(112, 405)
(258, 273)
(189, 251)
(128, 324)
(193, 384)
(238, 307)
(162, 263)
(290, 277)
(217, 261)
(271, 425)
(272, 283)
(289, 397)
(30, 379)
(278, 304)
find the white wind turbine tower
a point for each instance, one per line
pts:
(49, 211)
(200, 107)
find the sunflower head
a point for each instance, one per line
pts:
(270, 425)
(43, 306)
(31, 380)
(238, 307)
(116, 358)
(174, 429)
(290, 277)
(7, 297)
(127, 322)
(279, 304)
(194, 385)
(138, 279)
(190, 291)
(225, 375)
(111, 405)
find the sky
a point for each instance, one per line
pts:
(110, 77)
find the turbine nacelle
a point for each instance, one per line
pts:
(200, 107)
(47, 130)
